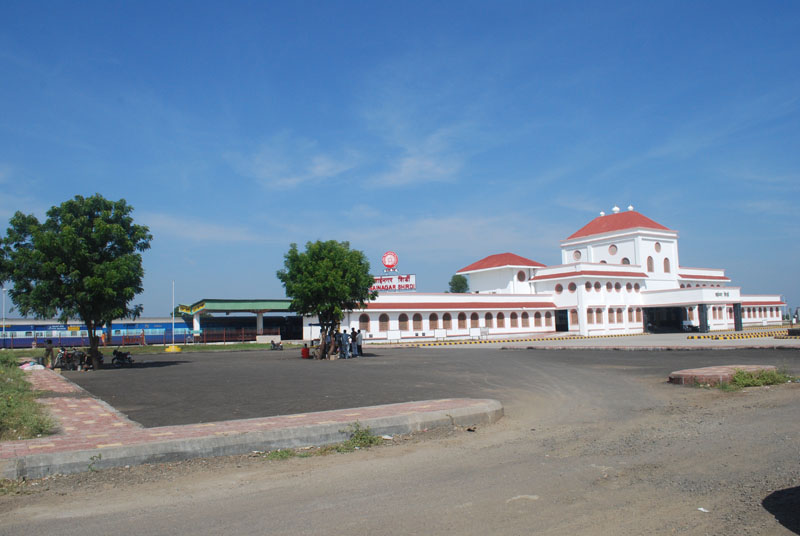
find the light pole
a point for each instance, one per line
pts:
(4, 317)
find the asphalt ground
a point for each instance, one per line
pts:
(163, 390)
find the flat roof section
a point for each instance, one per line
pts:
(236, 306)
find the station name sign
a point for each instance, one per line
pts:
(395, 282)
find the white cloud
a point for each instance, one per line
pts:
(197, 230)
(286, 162)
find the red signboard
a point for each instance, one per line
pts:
(390, 260)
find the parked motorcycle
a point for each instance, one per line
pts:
(121, 359)
(65, 359)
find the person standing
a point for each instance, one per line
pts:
(353, 343)
(359, 339)
(49, 358)
(344, 349)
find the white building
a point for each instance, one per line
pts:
(620, 274)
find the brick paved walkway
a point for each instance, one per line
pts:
(86, 423)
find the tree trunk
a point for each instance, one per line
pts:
(94, 343)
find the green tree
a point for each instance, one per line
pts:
(83, 261)
(459, 284)
(325, 280)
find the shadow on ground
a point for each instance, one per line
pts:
(784, 504)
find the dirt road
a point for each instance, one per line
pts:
(597, 447)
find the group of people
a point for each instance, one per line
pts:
(348, 345)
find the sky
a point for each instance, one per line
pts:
(443, 131)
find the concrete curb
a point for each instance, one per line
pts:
(40, 465)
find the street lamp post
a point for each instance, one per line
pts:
(4, 317)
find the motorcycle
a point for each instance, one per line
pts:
(65, 359)
(121, 359)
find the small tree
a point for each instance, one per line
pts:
(459, 284)
(326, 280)
(84, 261)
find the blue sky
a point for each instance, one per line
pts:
(445, 131)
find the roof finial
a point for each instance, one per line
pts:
(630, 208)
(602, 213)
(615, 210)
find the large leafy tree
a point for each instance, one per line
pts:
(325, 280)
(459, 283)
(83, 261)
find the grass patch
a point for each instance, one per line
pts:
(742, 378)
(21, 417)
(361, 437)
(32, 353)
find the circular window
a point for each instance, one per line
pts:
(617, 287)
(572, 287)
(588, 286)
(576, 255)
(629, 287)
(520, 276)
(597, 286)
(559, 289)
(612, 249)
(658, 247)
(626, 260)
(609, 286)
(636, 287)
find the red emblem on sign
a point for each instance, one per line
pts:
(389, 259)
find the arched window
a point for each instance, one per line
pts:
(683, 286)
(638, 314)
(433, 321)
(548, 319)
(589, 316)
(629, 287)
(609, 286)
(417, 322)
(630, 315)
(691, 313)
(488, 320)
(573, 317)
(559, 289)
(617, 287)
(462, 321)
(666, 266)
(636, 287)
(537, 319)
(611, 316)
(514, 320)
(597, 286)
(598, 316)
(626, 260)
(447, 321)
(474, 320)
(588, 286)
(650, 267)
(383, 322)
(501, 320)
(403, 322)
(526, 321)
(363, 322)
(619, 316)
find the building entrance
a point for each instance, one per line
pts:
(562, 320)
(663, 319)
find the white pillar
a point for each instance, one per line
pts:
(196, 322)
(260, 323)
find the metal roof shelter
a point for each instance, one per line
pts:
(258, 307)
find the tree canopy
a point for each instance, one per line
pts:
(325, 280)
(459, 284)
(83, 261)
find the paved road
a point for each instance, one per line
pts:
(592, 443)
(195, 387)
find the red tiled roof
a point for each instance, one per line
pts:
(616, 222)
(498, 260)
(442, 306)
(715, 277)
(589, 272)
(763, 303)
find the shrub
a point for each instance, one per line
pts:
(21, 417)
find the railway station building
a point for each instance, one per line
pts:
(620, 274)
